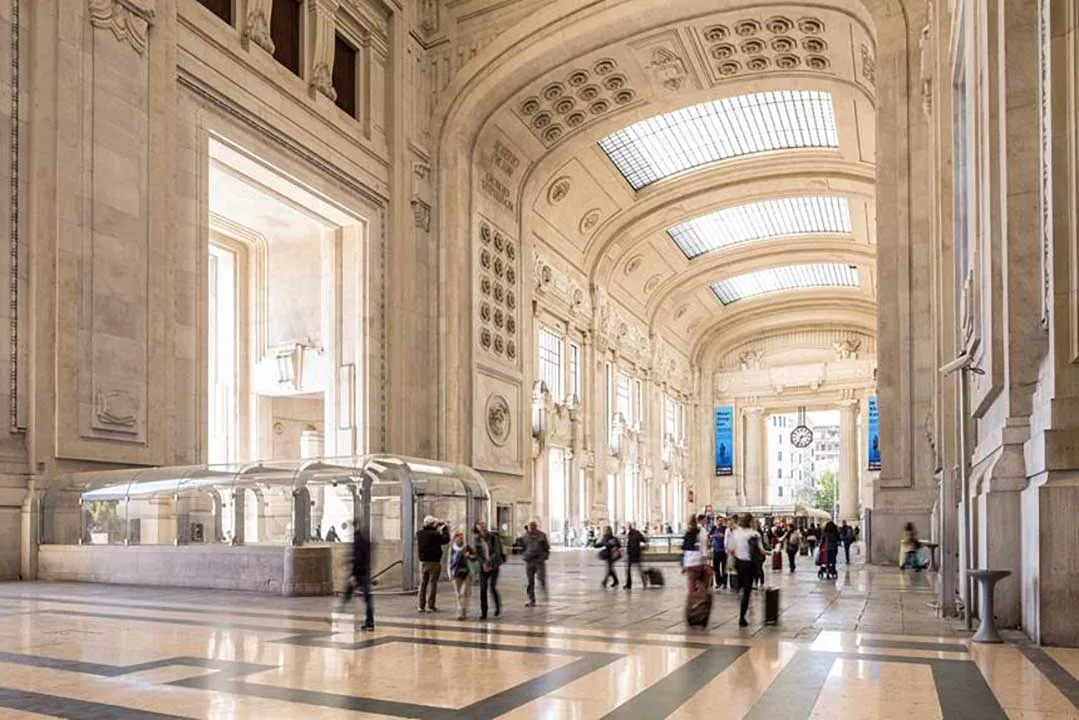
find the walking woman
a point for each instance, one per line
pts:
(460, 571)
(610, 552)
(489, 556)
(693, 554)
(830, 543)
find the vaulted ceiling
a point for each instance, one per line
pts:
(714, 174)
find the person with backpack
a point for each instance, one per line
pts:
(489, 557)
(429, 542)
(717, 537)
(610, 552)
(812, 537)
(846, 536)
(459, 570)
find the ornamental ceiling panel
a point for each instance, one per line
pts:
(574, 204)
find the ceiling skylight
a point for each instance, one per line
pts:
(779, 279)
(759, 220)
(667, 144)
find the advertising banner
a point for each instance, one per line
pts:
(724, 440)
(873, 441)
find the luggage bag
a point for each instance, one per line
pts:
(653, 576)
(777, 560)
(771, 606)
(699, 608)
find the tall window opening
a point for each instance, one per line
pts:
(285, 32)
(344, 75)
(575, 370)
(223, 355)
(549, 362)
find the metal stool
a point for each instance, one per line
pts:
(987, 629)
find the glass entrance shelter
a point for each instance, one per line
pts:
(308, 504)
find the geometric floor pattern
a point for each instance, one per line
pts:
(92, 651)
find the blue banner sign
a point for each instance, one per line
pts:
(725, 440)
(873, 444)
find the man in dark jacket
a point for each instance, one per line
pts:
(429, 542)
(536, 551)
(635, 542)
(360, 579)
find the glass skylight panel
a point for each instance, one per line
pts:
(667, 144)
(765, 219)
(780, 279)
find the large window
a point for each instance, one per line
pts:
(789, 277)
(674, 142)
(222, 355)
(670, 417)
(760, 220)
(623, 404)
(575, 370)
(549, 362)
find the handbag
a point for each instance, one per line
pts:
(692, 558)
(616, 554)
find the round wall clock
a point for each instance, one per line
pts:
(801, 435)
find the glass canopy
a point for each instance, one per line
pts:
(759, 220)
(674, 142)
(780, 279)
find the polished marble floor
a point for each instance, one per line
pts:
(865, 646)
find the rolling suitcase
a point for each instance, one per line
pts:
(777, 560)
(771, 606)
(653, 577)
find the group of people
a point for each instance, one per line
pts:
(481, 557)
(611, 552)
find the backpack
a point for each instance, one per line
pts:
(755, 552)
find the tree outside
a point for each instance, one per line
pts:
(826, 491)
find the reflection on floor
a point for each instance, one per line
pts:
(844, 649)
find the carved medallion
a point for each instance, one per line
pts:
(498, 418)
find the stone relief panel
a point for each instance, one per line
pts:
(558, 289)
(575, 204)
(497, 302)
(665, 59)
(814, 345)
(109, 285)
(497, 429)
(671, 366)
(555, 110)
(619, 330)
(500, 169)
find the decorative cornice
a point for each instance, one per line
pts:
(128, 20)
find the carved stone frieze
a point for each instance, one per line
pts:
(496, 260)
(128, 20)
(925, 46)
(498, 420)
(421, 214)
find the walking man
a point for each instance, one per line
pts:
(360, 579)
(536, 552)
(741, 545)
(635, 541)
(846, 536)
(429, 542)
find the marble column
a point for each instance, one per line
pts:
(848, 463)
(755, 475)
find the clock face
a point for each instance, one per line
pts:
(801, 436)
